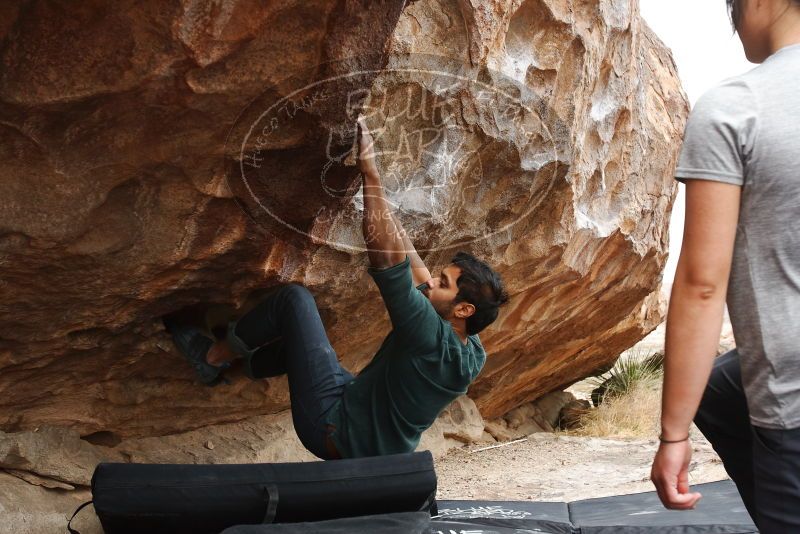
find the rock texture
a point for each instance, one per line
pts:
(530, 418)
(119, 153)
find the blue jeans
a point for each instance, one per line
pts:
(763, 462)
(316, 379)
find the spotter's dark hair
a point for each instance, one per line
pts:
(735, 11)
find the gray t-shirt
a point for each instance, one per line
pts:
(746, 132)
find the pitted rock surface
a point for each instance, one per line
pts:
(117, 207)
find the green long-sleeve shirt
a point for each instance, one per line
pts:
(420, 368)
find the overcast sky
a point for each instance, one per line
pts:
(706, 52)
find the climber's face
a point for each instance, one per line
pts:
(442, 292)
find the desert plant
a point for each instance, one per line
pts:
(636, 414)
(629, 370)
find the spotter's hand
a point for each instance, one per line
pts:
(366, 149)
(670, 475)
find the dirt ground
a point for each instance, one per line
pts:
(561, 467)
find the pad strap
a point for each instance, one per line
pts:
(69, 524)
(271, 496)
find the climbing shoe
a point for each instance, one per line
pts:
(194, 347)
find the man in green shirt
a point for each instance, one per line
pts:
(429, 358)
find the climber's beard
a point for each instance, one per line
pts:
(443, 307)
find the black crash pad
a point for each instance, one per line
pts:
(502, 517)
(720, 511)
(402, 523)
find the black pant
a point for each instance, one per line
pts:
(764, 463)
(316, 379)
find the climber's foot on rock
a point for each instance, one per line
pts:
(195, 347)
(220, 354)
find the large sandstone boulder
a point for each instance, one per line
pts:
(127, 192)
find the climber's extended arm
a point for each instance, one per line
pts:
(419, 273)
(387, 242)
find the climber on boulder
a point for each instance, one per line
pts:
(429, 358)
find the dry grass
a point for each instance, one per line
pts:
(635, 414)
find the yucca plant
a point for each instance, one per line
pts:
(630, 369)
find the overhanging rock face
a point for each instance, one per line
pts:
(139, 177)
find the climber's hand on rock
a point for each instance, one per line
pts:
(366, 150)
